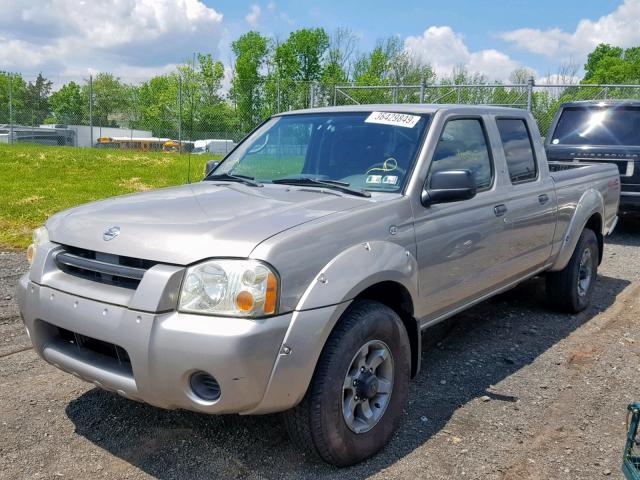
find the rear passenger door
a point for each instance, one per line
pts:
(531, 207)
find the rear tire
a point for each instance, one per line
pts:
(570, 289)
(365, 364)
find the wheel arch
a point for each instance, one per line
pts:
(588, 214)
(386, 273)
(595, 224)
(395, 296)
(382, 271)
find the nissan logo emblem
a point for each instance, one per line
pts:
(111, 233)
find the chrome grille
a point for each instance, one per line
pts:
(117, 270)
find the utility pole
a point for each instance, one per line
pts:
(10, 108)
(179, 113)
(312, 93)
(530, 83)
(91, 110)
(191, 99)
(278, 92)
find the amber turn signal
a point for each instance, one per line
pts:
(31, 250)
(244, 301)
(271, 296)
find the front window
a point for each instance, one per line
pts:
(598, 126)
(463, 145)
(366, 150)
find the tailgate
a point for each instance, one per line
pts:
(625, 159)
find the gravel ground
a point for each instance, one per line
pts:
(507, 390)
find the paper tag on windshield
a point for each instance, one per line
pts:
(374, 179)
(390, 179)
(395, 119)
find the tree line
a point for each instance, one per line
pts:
(152, 105)
(269, 76)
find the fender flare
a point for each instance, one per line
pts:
(321, 306)
(358, 268)
(589, 204)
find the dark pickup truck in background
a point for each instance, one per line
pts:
(603, 132)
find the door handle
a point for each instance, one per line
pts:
(542, 199)
(500, 210)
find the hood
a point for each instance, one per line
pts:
(186, 224)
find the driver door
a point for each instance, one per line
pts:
(460, 245)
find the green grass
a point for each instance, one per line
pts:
(37, 181)
(267, 167)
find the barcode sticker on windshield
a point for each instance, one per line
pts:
(395, 119)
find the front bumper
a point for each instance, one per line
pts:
(163, 349)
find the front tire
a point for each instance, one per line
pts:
(358, 391)
(570, 289)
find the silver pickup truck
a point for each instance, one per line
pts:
(298, 276)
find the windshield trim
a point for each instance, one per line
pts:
(419, 152)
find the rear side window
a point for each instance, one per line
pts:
(518, 149)
(463, 145)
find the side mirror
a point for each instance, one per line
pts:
(448, 186)
(210, 166)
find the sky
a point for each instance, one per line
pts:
(70, 39)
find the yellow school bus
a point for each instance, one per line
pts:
(174, 146)
(128, 143)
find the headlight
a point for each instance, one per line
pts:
(40, 236)
(242, 288)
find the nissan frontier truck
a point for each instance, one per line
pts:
(299, 274)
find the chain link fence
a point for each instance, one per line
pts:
(166, 113)
(541, 100)
(169, 113)
(505, 95)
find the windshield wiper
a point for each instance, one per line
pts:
(245, 179)
(313, 182)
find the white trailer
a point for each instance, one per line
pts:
(213, 146)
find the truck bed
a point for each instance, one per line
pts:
(570, 172)
(573, 180)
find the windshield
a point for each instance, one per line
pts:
(598, 126)
(366, 150)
